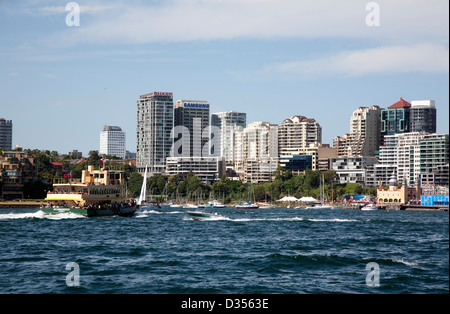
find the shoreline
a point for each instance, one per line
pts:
(38, 203)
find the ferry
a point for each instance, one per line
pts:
(100, 192)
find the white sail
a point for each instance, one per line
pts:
(143, 189)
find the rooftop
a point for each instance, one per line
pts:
(401, 104)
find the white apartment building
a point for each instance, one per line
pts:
(256, 152)
(155, 122)
(228, 123)
(410, 156)
(112, 141)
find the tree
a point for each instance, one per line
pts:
(135, 184)
(93, 157)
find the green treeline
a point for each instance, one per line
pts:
(191, 188)
(229, 191)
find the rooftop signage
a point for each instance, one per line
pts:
(162, 94)
(196, 105)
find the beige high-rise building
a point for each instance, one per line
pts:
(297, 133)
(364, 137)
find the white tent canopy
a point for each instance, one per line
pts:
(288, 199)
(307, 199)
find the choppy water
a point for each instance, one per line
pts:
(249, 251)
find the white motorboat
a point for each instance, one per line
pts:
(216, 204)
(319, 206)
(370, 206)
(248, 205)
(203, 215)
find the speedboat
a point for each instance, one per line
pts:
(319, 206)
(370, 206)
(203, 215)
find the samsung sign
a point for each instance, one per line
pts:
(196, 105)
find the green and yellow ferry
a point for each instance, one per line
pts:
(100, 192)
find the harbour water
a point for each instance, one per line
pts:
(259, 251)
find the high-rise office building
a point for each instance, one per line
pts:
(297, 133)
(5, 134)
(153, 131)
(423, 116)
(194, 115)
(228, 123)
(112, 141)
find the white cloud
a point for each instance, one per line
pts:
(424, 57)
(84, 9)
(190, 20)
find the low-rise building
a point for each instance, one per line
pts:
(352, 169)
(17, 168)
(207, 169)
(397, 196)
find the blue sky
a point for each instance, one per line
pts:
(269, 58)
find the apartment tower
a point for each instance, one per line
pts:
(153, 131)
(297, 133)
(228, 123)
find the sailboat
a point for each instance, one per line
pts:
(322, 194)
(141, 202)
(249, 204)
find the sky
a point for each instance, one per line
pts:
(64, 75)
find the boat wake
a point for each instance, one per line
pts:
(294, 219)
(142, 213)
(40, 215)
